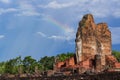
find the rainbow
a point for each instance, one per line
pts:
(58, 24)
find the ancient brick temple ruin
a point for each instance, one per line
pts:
(93, 49)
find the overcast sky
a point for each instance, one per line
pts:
(47, 27)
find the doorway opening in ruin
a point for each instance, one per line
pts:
(75, 71)
(75, 59)
(63, 65)
(93, 63)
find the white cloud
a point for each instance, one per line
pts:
(115, 35)
(99, 8)
(41, 34)
(2, 36)
(65, 37)
(28, 13)
(27, 9)
(7, 10)
(54, 37)
(56, 5)
(5, 1)
(57, 37)
(69, 34)
(24, 9)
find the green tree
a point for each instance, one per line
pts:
(2, 67)
(29, 64)
(64, 56)
(47, 62)
(116, 54)
(12, 66)
(9, 66)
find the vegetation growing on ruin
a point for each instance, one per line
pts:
(63, 56)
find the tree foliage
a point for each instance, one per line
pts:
(116, 54)
(2, 67)
(64, 56)
(12, 65)
(47, 62)
(30, 65)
